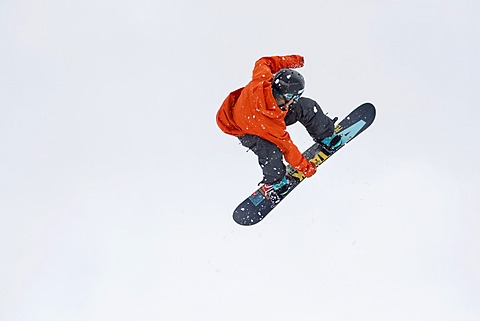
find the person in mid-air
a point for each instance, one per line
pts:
(258, 115)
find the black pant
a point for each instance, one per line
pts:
(270, 157)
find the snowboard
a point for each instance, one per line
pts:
(258, 205)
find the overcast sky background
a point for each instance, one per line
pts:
(117, 188)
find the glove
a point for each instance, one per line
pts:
(310, 170)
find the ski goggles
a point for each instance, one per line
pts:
(291, 96)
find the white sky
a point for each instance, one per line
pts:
(117, 188)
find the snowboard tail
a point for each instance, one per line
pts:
(258, 205)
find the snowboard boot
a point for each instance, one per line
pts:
(332, 143)
(277, 191)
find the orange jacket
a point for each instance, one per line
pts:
(253, 109)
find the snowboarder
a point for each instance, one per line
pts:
(258, 115)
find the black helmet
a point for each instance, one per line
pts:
(288, 81)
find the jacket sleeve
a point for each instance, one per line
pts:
(266, 67)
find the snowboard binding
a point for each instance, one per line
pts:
(331, 144)
(276, 192)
